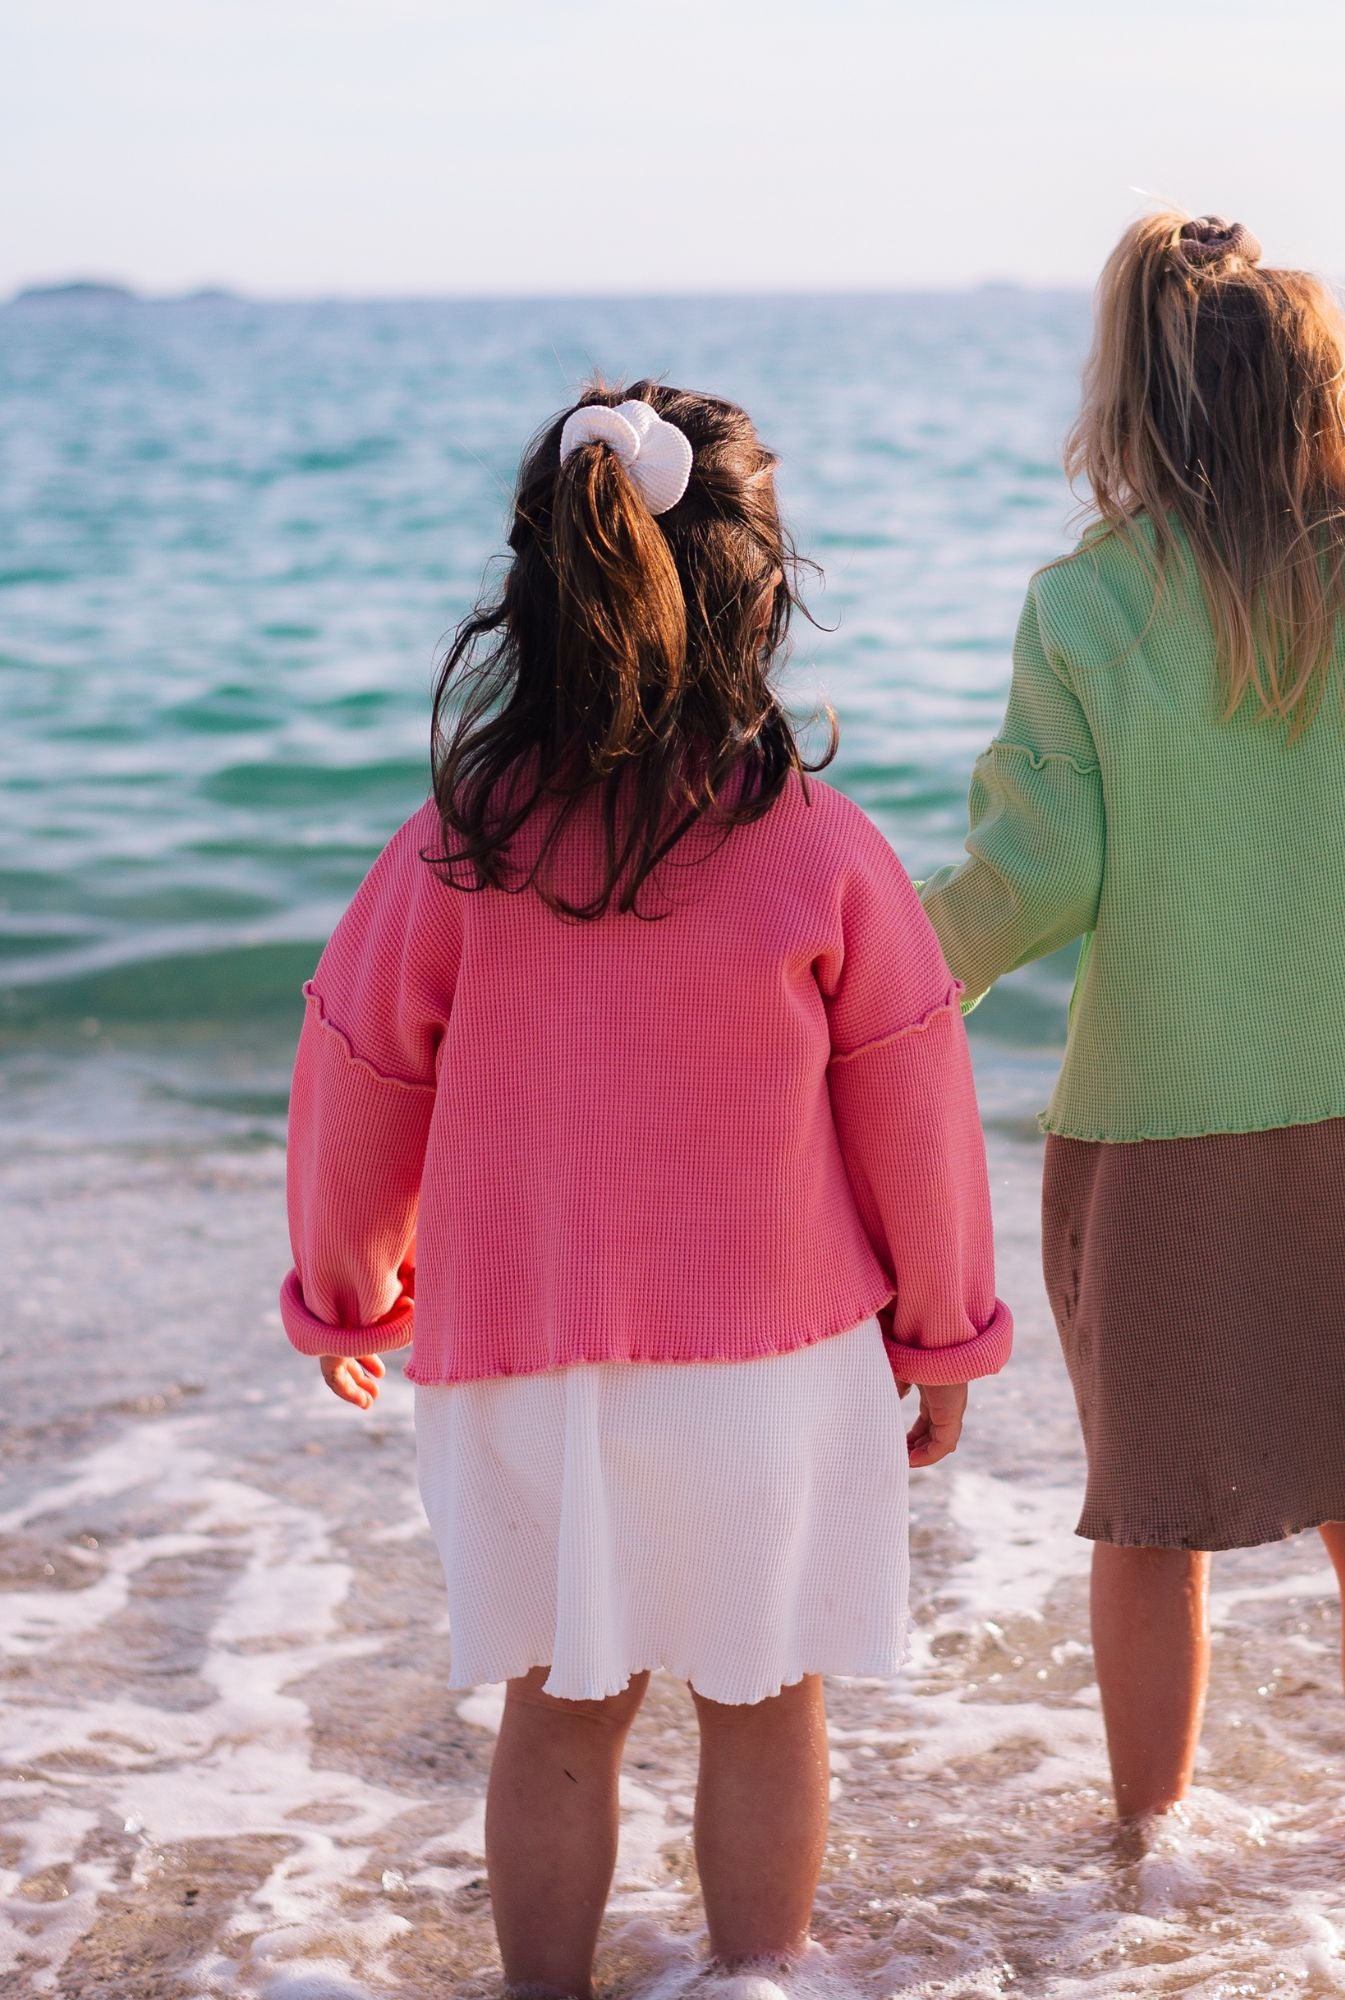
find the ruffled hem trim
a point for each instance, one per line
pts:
(353, 1055)
(952, 999)
(1091, 1530)
(308, 1334)
(430, 1375)
(966, 1361)
(1233, 1131)
(893, 1660)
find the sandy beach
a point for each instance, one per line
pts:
(231, 1766)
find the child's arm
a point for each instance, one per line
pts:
(356, 1145)
(1038, 830)
(906, 1114)
(905, 1109)
(360, 1110)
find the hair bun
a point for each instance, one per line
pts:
(1209, 239)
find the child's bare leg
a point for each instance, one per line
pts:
(1151, 1643)
(1333, 1534)
(761, 1819)
(551, 1830)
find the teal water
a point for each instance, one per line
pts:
(233, 538)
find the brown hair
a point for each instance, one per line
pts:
(1215, 396)
(626, 657)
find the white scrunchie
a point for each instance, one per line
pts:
(656, 455)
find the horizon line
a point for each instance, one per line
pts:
(128, 292)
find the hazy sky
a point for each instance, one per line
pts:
(404, 146)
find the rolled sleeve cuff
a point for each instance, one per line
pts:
(965, 1361)
(311, 1335)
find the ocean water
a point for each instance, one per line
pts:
(234, 538)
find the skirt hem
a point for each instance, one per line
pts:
(851, 1671)
(1207, 1546)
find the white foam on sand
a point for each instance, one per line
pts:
(1022, 1542)
(972, 1851)
(237, 1766)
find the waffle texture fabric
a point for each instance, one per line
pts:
(725, 1133)
(738, 1524)
(1202, 860)
(1197, 1287)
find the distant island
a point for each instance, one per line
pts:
(98, 291)
(77, 288)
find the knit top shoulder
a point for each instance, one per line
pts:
(1202, 858)
(725, 1132)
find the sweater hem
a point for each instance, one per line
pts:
(1059, 1130)
(579, 1353)
(952, 999)
(962, 1361)
(361, 1062)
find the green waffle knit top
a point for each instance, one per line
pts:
(1202, 860)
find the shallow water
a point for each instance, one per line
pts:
(229, 1767)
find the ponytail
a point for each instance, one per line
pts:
(1214, 397)
(621, 631)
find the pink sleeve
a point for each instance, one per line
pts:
(360, 1107)
(905, 1108)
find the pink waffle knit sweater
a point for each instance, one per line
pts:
(722, 1134)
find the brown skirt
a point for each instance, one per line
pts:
(1199, 1290)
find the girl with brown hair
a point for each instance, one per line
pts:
(1169, 783)
(638, 1046)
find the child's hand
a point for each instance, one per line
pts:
(353, 1381)
(936, 1430)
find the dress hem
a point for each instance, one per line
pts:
(680, 1673)
(1207, 1546)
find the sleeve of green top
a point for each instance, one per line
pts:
(1037, 836)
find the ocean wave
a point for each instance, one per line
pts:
(235, 538)
(227, 984)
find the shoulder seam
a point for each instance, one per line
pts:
(361, 1062)
(1038, 759)
(951, 1002)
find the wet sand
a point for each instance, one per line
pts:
(230, 1766)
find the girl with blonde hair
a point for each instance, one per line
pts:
(1169, 785)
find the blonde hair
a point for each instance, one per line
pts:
(1214, 396)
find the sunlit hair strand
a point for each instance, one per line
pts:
(1214, 397)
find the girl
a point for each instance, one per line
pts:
(1170, 782)
(639, 1046)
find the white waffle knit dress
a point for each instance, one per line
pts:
(738, 1523)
